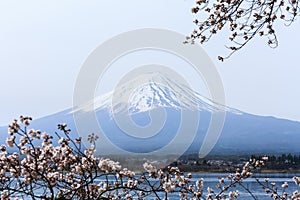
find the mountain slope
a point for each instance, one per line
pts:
(145, 114)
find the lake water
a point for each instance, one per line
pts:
(211, 180)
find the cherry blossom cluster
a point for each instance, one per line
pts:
(244, 19)
(38, 165)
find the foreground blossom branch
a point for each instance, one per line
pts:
(244, 19)
(36, 165)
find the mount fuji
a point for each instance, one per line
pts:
(144, 115)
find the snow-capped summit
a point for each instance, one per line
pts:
(152, 90)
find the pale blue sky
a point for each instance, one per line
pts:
(44, 43)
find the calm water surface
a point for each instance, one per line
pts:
(212, 179)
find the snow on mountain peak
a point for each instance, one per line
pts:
(149, 91)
